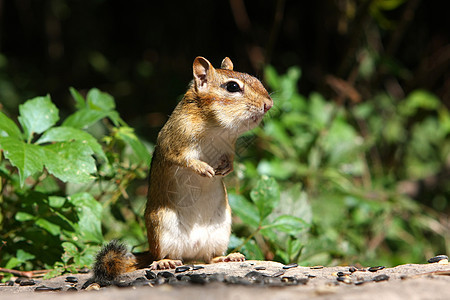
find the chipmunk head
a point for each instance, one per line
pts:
(231, 99)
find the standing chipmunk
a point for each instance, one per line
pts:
(187, 216)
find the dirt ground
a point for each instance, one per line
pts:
(411, 281)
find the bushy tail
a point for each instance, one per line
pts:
(113, 260)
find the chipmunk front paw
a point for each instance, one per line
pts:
(202, 168)
(225, 166)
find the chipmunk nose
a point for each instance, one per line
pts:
(268, 103)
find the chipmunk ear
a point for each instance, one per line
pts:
(203, 72)
(227, 64)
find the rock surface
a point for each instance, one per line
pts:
(256, 280)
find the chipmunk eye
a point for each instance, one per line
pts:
(233, 87)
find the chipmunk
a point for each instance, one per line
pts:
(187, 216)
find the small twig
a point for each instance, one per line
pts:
(344, 89)
(27, 274)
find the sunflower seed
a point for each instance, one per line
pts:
(437, 258)
(43, 288)
(182, 269)
(27, 282)
(377, 268)
(71, 279)
(289, 266)
(381, 277)
(150, 274)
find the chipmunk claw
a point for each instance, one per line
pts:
(236, 256)
(165, 264)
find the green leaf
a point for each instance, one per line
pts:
(272, 78)
(252, 251)
(84, 118)
(280, 169)
(244, 209)
(418, 99)
(341, 143)
(288, 224)
(27, 158)
(78, 98)
(70, 161)
(70, 251)
(294, 202)
(37, 115)
(23, 216)
(127, 135)
(320, 111)
(278, 132)
(70, 248)
(52, 228)
(12, 263)
(100, 101)
(63, 134)
(99, 105)
(20, 258)
(292, 251)
(56, 201)
(87, 257)
(265, 195)
(89, 213)
(8, 127)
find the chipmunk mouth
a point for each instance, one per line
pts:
(256, 117)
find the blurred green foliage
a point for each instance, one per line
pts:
(343, 172)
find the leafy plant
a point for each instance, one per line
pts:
(54, 179)
(261, 216)
(319, 183)
(342, 170)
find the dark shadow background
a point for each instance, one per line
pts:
(142, 51)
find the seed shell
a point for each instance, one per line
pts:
(27, 282)
(377, 268)
(43, 288)
(150, 274)
(71, 279)
(289, 266)
(165, 274)
(381, 277)
(182, 269)
(437, 258)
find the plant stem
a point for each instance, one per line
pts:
(248, 238)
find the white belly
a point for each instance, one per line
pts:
(198, 227)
